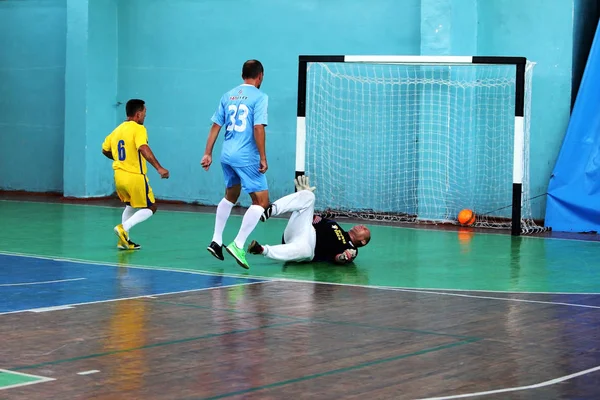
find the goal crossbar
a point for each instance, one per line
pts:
(519, 106)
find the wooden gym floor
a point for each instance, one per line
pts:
(422, 314)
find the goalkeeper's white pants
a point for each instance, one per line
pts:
(299, 235)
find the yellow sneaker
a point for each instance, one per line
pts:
(122, 235)
(130, 245)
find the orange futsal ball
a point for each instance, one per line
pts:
(466, 217)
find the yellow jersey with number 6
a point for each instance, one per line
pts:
(124, 144)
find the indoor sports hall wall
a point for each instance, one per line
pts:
(32, 87)
(193, 52)
(90, 95)
(197, 65)
(545, 35)
(181, 55)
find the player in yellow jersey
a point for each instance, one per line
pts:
(128, 147)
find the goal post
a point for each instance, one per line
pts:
(417, 138)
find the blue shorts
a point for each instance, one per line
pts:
(250, 178)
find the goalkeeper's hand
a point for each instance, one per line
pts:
(346, 257)
(302, 183)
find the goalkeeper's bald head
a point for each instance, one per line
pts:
(360, 235)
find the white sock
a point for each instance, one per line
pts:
(251, 218)
(127, 213)
(139, 216)
(223, 211)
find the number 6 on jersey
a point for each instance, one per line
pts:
(121, 150)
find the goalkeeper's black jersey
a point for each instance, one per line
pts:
(331, 239)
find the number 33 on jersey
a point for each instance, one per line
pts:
(238, 119)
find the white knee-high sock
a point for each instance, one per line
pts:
(251, 218)
(223, 211)
(127, 213)
(139, 216)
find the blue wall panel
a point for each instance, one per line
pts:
(32, 87)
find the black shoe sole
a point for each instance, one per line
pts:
(214, 253)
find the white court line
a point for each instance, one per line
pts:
(278, 279)
(135, 266)
(515, 389)
(48, 309)
(497, 298)
(490, 291)
(381, 226)
(92, 371)
(40, 283)
(137, 297)
(41, 379)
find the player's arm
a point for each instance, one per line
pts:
(259, 138)
(260, 121)
(141, 143)
(218, 120)
(107, 154)
(147, 153)
(213, 134)
(106, 150)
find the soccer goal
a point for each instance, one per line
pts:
(417, 138)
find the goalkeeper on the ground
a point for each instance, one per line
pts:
(308, 237)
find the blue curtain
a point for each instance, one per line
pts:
(574, 190)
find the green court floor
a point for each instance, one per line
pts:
(11, 379)
(396, 257)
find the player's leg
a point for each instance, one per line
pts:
(254, 183)
(144, 204)
(121, 185)
(302, 205)
(232, 193)
(141, 198)
(297, 251)
(127, 213)
(299, 201)
(299, 236)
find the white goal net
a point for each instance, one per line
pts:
(405, 142)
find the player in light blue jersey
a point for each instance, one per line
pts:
(243, 112)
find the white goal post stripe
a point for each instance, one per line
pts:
(411, 59)
(519, 146)
(300, 144)
(425, 60)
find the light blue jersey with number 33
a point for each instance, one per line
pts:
(239, 111)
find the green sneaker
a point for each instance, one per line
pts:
(238, 254)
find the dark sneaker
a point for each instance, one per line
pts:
(216, 250)
(267, 214)
(255, 248)
(130, 245)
